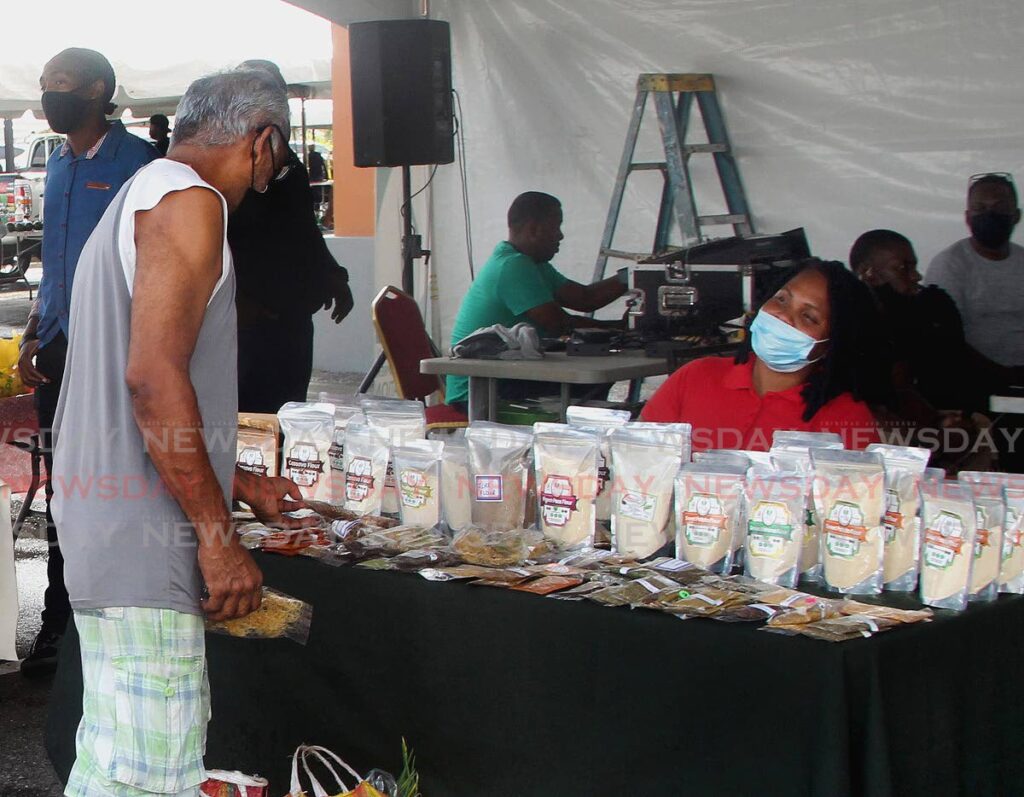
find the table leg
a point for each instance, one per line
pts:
(478, 390)
(564, 394)
(492, 400)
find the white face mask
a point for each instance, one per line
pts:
(783, 348)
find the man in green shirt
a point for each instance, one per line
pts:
(519, 284)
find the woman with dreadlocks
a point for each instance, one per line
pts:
(812, 361)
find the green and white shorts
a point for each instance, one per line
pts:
(145, 704)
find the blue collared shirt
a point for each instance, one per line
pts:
(78, 191)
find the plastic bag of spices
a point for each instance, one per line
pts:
(948, 523)
(990, 511)
(566, 468)
(600, 421)
(904, 471)
(279, 616)
(708, 499)
(775, 510)
(308, 433)
(499, 460)
(366, 463)
(849, 497)
(401, 421)
(418, 475)
(791, 451)
(645, 459)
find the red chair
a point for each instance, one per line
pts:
(20, 458)
(403, 336)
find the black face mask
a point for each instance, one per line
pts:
(65, 111)
(991, 230)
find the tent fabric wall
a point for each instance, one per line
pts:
(845, 115)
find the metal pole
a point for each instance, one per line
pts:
(305, 155)
(8, 144)
(407, 247)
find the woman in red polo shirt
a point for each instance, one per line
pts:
(811, 359)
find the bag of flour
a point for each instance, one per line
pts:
(366, 462)
(948, 523)
(308, 432)
(990, 512)
(456, 486)
(346, 410)
(645, 459)
(600, 421)
(402, 421)
(499, 462)
(849, 498)
(567, 477)
(708, 500)
(681, 432)
(258, 440)
(418, 474)
(904, 471)
(1011, 572)
(775, 511)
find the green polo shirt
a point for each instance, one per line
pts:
(509, 284)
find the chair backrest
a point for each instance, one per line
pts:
(403, 336)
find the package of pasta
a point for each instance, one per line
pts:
(775, 511)
(904, 471)
(645, 460)
(708, 501)
(565, 462)
(1011, 573)
(279, 616)
(346, 410)
(989, 510)
(367, 452)
(401, 421)
(418, 475)
(600, 421)
(948, 525)
(499, 460)
(308, 433)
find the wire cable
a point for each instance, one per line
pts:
(460, 140)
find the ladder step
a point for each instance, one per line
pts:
(691, 149)
(675, 82)
(647, 167)
(620, 255)
(733, 218)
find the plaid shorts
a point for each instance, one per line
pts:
(145, 704)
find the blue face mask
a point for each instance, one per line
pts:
(778, 345)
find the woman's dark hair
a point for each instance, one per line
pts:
(858, 360)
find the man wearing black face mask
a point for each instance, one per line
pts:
(82, 177)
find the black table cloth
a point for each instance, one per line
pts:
(505, 693)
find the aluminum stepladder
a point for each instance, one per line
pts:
(673, 96)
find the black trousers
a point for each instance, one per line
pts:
(275, 363)
(50, 361)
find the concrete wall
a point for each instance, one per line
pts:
(351, 345)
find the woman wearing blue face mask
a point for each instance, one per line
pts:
(812, 359)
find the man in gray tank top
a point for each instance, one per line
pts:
(144, 466)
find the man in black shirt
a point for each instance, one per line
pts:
(160, 132)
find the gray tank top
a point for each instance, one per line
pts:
(125, 540)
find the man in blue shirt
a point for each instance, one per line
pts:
(82, 177)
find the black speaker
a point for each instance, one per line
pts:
(401, 92)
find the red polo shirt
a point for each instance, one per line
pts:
(717, 397)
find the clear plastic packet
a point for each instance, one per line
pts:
(416, 560)
(722, 457)
(499, 460)
(308, 433)
(1011, 572)
(845, 627)
(546, 585)
(279, 616)
(990, 510)
(791, 452)
(565, 462)
(600, 421)
(803, 610)
(492, 548)
(220, 783)
(456, 486)
(645, 459)
(418, 466)
(367, 452)
(849, 498)
(578, 593)
(402, 421)
(899, 615)
(346, 410)
(904, 471)
(668, 432)
(776, 509)
(934, 475)
(948, 523)
(708, 501)
(258, 443)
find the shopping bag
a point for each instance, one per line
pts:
(304, 753)
(220, 783)
(10, 376)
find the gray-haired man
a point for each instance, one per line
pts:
(144, 467)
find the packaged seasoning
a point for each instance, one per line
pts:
(278, 616)
(948, 523)
(886, 612)
(346, 410)
(499, 459)
(308, 434)
(904, 471)
(645, 461)
(492, 548)
(402, 421)
(600, 421)
(456, 487)
(708, 500)
(566, 468)
(258, 443)
(418, 474)
(846, 627)
(791, 451)
(366, 463)
(990, 510)
(545, 585)
(776, 507)
(331, 512)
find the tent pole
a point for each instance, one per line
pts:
(8, 144)
(305, 153)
